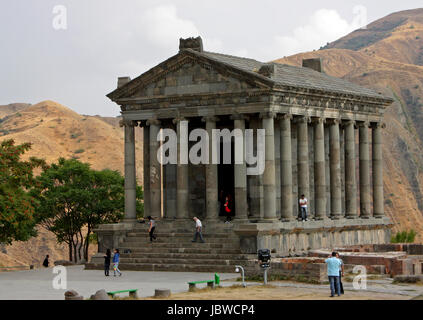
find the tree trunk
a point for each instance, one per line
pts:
(70, 251)
(87, 244)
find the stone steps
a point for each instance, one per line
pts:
(151, 249)
(187, 256)
(165, 261)
(181, 235)
(127, 244)
(183, 241)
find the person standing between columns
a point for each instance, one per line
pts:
(182, 183)
(269, 170)
(303, 208)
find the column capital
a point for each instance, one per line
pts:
(302, 119)
(210, 119)
(268, 115)
(318, 120)
(333, 121)
(239, 116)
(153, 122)
(346, 123)
(286, 116)
(128, 123)
(379, 124)
(361, 124)
(179, 119)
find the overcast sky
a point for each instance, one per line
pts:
(104, 39)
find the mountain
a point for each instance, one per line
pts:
(56, 131)
(388, 57)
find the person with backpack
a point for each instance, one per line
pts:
(107, 259)
(116, 259)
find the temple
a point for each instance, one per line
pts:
(323, 139)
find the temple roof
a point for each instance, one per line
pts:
(287, 75)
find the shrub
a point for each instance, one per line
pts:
(79, 151)
(404, 237)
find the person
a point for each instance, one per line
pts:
(303, 208)
(46, 262)
(116, 259)
(198, 227)
(107, 257)
(228, 209)
(333, 266)
(151, 228)
(341, 273)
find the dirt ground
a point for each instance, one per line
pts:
(272, 292)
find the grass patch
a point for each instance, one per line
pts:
(79, 151)
(278, 277)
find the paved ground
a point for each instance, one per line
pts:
(38, 284)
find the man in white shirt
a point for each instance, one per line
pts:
(303, 208)
(198, 227)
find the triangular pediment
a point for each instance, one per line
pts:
(189, 74)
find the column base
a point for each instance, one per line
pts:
(378, 216)
(351, 217)
(364, 217)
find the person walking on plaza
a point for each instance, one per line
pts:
(198, 227)
(116, 259)
(303, 207)
(341, 273)
(107, 258)
(151, 228)
(333, 266)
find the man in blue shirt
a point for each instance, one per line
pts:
(333, 264)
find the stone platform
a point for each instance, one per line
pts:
(229, 244)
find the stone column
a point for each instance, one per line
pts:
(364, 170)
(130, 171)
(335, 170)
(350, 179)
(269, 171)
(319, 169)
(240, 172)
(182, 173)
(378, 201)
(146, 165)
(303, 158)
(212, 201)
(286, 168)
(155, 170)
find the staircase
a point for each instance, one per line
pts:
(174, 251)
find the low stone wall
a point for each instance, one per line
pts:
(300, 269)
(297, 238)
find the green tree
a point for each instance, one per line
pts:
(74, 199)
(17, 221)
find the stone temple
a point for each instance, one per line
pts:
(323, 139)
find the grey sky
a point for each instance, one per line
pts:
(105, 39)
